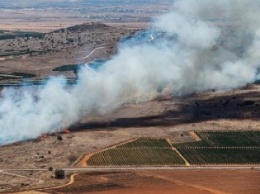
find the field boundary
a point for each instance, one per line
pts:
(174, 149)
(82, 160)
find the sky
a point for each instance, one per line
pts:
(68, 3)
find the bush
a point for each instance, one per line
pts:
(59, 138)
(59, 174)
(246, 103)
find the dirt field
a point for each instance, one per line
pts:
(47, 20)
(166, 182)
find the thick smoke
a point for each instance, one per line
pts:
(199, 45)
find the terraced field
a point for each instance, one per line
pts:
(223, 148)
(139, 152)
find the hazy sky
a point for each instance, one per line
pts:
(24, 3)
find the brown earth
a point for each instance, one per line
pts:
(195, 136)
(166, 182)
(47, 20)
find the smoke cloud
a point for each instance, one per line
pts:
(199, 45)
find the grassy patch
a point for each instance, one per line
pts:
(23, 75)
(71, 67)
(4, 35)
(16, 75)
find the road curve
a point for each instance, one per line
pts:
(94, 50)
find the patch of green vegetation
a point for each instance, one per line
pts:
(140, 152)
(141, 156)
(10, 53)
(223, 147)
(225, 139)
(16, 53)
(16, 75)
(257, 82)
(71, 67)
(19, 34)
(23, 75)
(19, 82)
(221, 155)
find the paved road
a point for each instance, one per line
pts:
(112, 169)
(91, 169)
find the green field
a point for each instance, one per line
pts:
(225, 139)
(221, 156)
(215, 147)
(224, 147)
(139, 152)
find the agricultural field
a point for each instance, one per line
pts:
(232, 147)
(225, 139)
(223, 148)
(221, 155)
(140, 152)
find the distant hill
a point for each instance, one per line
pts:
(18, 4)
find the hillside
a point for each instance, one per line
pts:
(40, 53)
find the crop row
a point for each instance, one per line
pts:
(220, 147)
(245, 138)
(221, 156)
(125, 156)
(225, 139)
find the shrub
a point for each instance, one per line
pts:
(59, 138)
(59, 174)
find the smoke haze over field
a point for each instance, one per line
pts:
(205, 45)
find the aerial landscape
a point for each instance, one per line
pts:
(129, 96)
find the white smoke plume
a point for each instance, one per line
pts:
(203, 44)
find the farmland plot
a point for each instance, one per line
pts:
(140, 152)
(223, 148)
